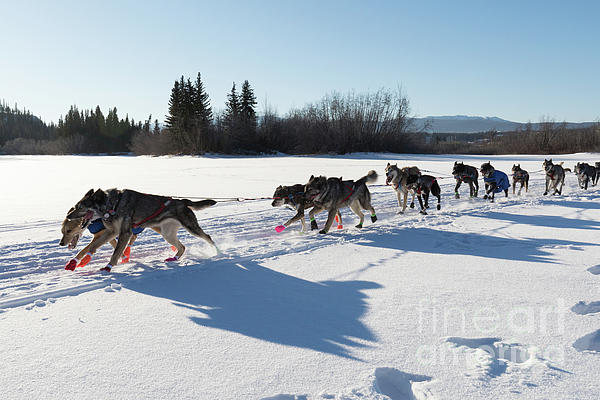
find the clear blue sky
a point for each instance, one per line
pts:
(519, 60)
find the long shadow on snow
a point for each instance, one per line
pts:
(427, 240)
(551, 221)
(250, 299)
(591, 204)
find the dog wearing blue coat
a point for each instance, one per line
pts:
(495, 181)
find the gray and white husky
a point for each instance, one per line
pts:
(123, 210)
(295, 197)
(555, 176)
(586, 173)
(331, 194)
(402, 180)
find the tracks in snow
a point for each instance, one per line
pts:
(31, 270)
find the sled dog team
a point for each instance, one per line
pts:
(118, 216)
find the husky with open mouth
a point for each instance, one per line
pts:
(73, 229)
(123, 210)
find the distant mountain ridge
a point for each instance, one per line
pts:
(474, 124)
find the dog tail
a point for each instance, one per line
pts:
(371, 177)
(199, 205)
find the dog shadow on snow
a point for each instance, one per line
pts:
(255, 301)
(433, 241)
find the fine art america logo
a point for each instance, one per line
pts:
(468, 338)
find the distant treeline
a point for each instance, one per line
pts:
(86, 131)
(550, 137)
(338, 123)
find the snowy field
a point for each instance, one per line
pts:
(476, 301)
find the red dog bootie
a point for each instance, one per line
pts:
(86, 259)
(126, 254)
(106, 269)
(71, 265)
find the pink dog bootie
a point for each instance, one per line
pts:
(279, 228)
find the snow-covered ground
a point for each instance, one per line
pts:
(476, 301)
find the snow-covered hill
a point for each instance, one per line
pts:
(474, 124)
(475, 301)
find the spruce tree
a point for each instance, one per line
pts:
(248, 117)
(202, 114)
(173, 119)
(231, 119)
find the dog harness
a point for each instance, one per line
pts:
(153, 215)
(350, 194)
(520, 174)
(98, 226)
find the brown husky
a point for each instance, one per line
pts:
(73, 229)
(123, 210)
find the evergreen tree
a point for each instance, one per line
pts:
(231, 119)
(173, 119)
(202, 110)
(248, 118)
(202, 115)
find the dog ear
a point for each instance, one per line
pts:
(388, 164)
(89, 193)
(311, 178)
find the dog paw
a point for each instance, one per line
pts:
(279, 228)
(106, 269)
(85, 260)
(171, 259)
(71, 265)
(412, 205)
(322, 231)
(359, 226)
(423, 212)
(340, 226)
(439, 207)
(313, 225)
(373, 218)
